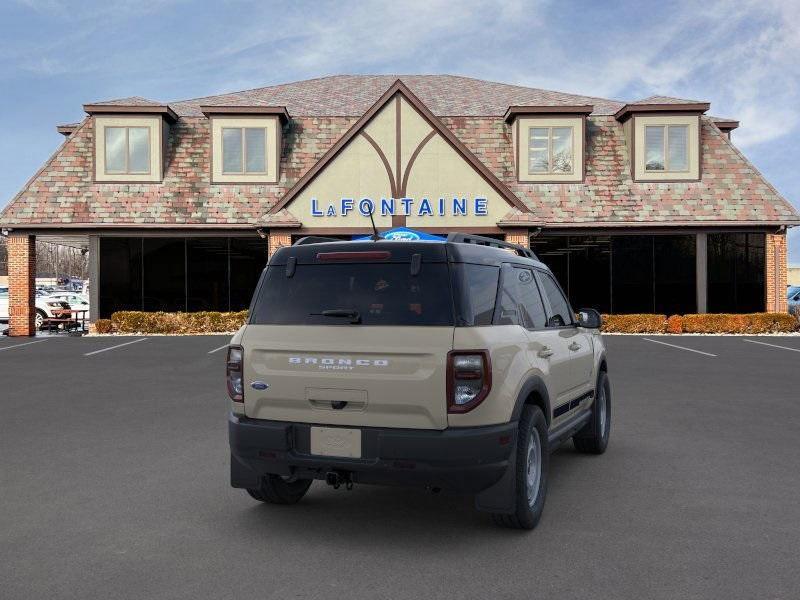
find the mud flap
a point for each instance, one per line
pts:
(501, 497)
(243, 476)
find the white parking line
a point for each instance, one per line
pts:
(114, 347)
(680, 347)
(771, 345)
(20, 345)
(218, 349)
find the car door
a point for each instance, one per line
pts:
(580, 351)
(520, 303)
(3, 304)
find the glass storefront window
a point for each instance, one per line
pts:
(624, 274)
(178, 274)
(120, 274)
(736, 272)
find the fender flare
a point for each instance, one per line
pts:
(602, 360)
(533, 384)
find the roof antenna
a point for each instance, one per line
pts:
(375, 236)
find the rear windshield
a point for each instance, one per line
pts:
(380, 294)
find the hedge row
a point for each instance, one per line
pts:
(223, 322)
(708, 323)
(163, 322)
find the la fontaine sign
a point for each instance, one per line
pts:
(422, 207)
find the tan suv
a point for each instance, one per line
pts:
(453, 365)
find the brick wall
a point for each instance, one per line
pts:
(776, 273)
(278, 239)
(519, 237)
(21, 284)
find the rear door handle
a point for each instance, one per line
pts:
(574, 346)
(545, 352)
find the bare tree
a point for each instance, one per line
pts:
(52, 260)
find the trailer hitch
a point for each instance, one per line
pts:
(339, 478)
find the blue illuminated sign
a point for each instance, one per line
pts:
(424, 207)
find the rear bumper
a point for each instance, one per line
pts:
(467, 459)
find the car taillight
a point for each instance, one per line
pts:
(233, 371)
(469, 379)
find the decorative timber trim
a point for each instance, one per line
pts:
(398, 87)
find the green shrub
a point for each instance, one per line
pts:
(163, 322)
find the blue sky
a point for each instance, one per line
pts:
(56, 55)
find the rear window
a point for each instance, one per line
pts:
(381, 294)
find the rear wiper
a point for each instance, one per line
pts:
(342, 313)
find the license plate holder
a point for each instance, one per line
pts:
(340, 442)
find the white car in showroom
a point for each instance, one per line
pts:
(47, 307)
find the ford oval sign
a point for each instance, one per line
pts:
(259, 385)
(402, 236)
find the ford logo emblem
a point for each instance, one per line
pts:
(259, 385)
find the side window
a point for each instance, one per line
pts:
(561, 312)
(520, 300)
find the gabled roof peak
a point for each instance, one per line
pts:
(129, 101)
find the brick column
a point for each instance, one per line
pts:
(21, 284)
(520, 237)
(278, 239)
(775, 272)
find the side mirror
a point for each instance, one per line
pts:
(589, 318)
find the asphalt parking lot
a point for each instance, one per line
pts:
(114, 484)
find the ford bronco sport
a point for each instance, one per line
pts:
(455, 365)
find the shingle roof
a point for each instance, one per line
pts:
(130, 101)
(63, 193)
(352, 95)
(666, 100)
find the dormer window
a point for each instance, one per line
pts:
(130, 140)
(548, 142)
(127, 150)
(666, 148)
(550, 150)
(244, 150)
(245, 143)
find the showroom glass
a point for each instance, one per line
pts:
(736, 272)
(381, 293)
(624, 274)
(520, 299)
(549, 150)
(559, 307)
(127, 150)
(244, 150)
(202, 273)
(666, 147)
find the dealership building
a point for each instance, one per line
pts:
(640, 206)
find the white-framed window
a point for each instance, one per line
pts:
(244, 150)
(666, 148)
(127, 150)
(550, 151)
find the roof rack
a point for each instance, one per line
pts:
(466, 238)
(314, 239)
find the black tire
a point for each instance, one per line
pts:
(276, 490)
(528, 509)
(593, 438)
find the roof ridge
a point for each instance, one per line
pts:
(395, 76)
(260, 88)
